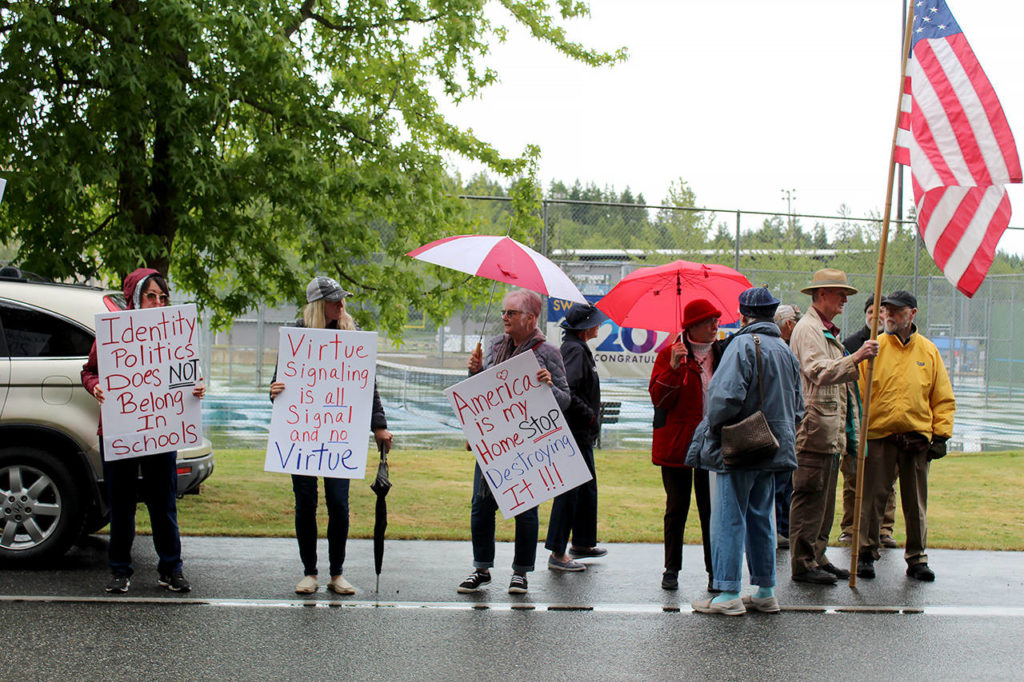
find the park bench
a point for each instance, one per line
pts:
(609, 415)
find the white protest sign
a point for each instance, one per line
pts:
(148, 365)
(520, 437)
(320, 423)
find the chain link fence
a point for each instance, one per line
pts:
(597, 244)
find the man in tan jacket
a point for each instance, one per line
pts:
(827, 374)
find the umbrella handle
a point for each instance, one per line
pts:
(383, 455)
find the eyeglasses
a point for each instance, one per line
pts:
(511, 313)
(163, 298)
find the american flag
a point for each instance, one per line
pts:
(955, 138)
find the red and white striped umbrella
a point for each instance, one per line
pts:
(502, 259)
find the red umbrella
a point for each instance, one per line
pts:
(502, 259)
(654, 298)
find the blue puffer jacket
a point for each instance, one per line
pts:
(733, 395)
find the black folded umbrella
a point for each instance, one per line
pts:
(381, 485)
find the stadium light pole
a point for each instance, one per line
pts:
(789, 195)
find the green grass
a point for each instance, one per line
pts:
(974, 500)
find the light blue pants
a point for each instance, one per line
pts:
(742, 516)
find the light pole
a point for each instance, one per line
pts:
(789, 195)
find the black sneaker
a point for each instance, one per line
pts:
(175, 582)
(518, 584)
(921, 572)
(118, 584)
(670, 580)
(474, 581)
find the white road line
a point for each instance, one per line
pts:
(832, 609)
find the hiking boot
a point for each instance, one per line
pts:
(921, 572)
(307, 585)
(518, 584)
(815, 576)
(865, 568)
(175, 582)
(118, 584)
(670, 580)
(474, 581)
(840, 573)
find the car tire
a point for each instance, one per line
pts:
(40, 509)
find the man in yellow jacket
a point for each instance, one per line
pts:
(910, 420)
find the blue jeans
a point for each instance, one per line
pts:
(783, 498)
(336, 494)
(741, 515)
(481, 526)
(158, 488)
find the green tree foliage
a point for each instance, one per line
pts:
(681, 229)
(244, 145)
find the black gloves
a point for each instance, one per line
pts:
(937, 449)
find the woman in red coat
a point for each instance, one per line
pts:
(679, 384)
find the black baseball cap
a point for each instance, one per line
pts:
(900, 299)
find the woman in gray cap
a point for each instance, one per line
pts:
(575, 511)
(325, 309)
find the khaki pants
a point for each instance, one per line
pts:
(850, 497)
(884, 463)
(812, 510)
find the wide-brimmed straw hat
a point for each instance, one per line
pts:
(829, 278)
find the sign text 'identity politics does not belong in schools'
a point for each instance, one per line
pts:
(320, 424)
(148, 363)
(519, 435)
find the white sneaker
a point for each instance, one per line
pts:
(339, 585)
(732, 607)
(307, 585)
(766, 605)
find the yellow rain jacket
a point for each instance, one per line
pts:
(910, 389)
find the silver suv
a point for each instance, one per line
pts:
(51, 475)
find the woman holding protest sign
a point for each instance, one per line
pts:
(520, 312)
(325, 309)
(152, 478)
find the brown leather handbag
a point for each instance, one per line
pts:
(749, 441)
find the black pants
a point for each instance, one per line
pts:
(336, 494)
(158, 488)
(679, 481)
(575, 512)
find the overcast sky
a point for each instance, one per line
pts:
(741, 98)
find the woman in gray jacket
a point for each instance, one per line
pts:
(742, 505)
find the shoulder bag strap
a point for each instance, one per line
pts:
(760, 384)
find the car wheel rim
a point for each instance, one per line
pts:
(31, 507)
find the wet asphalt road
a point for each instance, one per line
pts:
(243, 621)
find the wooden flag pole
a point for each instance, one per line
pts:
(863, 442)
